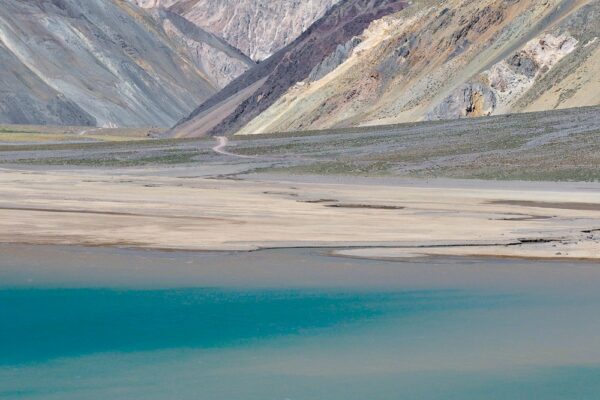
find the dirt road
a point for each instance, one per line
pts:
(222, 143)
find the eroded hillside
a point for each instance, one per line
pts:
(257, 27)
(450, 59)
(259, 88)
(218, 60)
(93, 62)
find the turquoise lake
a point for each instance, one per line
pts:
(80, 323)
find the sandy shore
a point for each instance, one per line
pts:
(378, 221)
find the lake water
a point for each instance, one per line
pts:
(79, 323)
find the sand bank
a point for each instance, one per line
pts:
(393, 220)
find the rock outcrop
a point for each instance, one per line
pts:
(469, 100)
(334, 60)
(93, 62)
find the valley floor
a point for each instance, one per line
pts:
(200, 195)
(373, 219)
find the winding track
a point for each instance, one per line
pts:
(222, 143)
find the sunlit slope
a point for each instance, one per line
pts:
(260, 87)
(450, 59)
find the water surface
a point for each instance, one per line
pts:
(79, 323)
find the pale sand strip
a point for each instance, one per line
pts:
(567, 249)
(207, 214)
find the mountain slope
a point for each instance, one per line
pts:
(93, 62)
(26, 98)
(257, 89)
(451, 59)
(220, 61)
(257, 27)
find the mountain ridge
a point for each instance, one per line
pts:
(257, 89)
(221, 61)
(462, 60)
(259, 28)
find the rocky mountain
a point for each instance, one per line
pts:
(257, 27)
(155, 3)
(323, 63)
(443, 60)
(220, 62)
(259, 88)
(93, 62)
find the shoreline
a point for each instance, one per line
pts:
(332, 250)
(80, 267)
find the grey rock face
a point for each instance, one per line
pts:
(334, 60)
(469, 100)
(220, 61)
(522, 64)
(407, 46)
(19, 105)
(257, 27)
(93, 62)
(154, 3)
